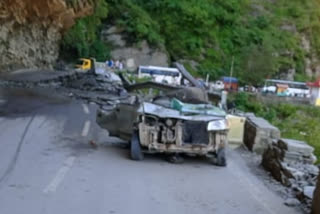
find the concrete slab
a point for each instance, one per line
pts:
(296, 146)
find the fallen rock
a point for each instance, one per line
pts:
(272, 162)
(290, 163)
(259, 134)
(292, 202)
(308, 191)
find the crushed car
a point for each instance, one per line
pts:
(169, 124)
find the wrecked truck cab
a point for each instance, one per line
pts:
(181, 128)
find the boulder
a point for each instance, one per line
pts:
(259, 133)
(292, 202)
(134, 55)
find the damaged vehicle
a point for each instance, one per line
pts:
(178, 123)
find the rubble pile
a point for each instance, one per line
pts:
(259, 133)
(100, 89)
(291, 163)
(103, 90)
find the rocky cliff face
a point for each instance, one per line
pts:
(134, 55)
(31, 30)
(312, 63)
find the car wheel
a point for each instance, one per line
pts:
(135, 147)
(221, 157)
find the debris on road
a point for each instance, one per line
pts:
(308, 191)
(292, 202)
(93, 144)
(106, 89)
(291, 163)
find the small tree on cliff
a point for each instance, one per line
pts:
(83, 39)
(257, 64)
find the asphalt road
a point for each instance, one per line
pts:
(47, 166)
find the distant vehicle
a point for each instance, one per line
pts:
(84, 64)
(97, 68)
(217, 86)
(230, 83)
(90, 65)
(250, 88)
(161, 74)
(286, 88)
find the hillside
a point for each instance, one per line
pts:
(265, 38)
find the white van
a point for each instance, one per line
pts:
(161, 74)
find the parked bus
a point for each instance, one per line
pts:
(286, 88)
(160, 74)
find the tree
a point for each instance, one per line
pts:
(257, 64)
(83, 39)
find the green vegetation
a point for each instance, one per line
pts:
(83, 39)
(296, 122)
(263, 37)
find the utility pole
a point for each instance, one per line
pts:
(231, 71)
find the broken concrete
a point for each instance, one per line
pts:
(291, 163)
(100, 89)
(259, 134)
(308, 191)
(292, 202)
(297, 151)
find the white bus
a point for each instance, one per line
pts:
(286, 88)
(161, 74)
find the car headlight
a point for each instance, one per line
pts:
(218, 125)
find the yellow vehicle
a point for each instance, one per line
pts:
(84, 65)
(91, 65)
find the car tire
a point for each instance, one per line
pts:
(135, 147)
(221, 157)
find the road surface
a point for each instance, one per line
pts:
(49, 167)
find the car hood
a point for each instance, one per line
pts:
(163, 112)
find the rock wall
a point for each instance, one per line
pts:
(312, 63)
(135, 54)
(316, 199)
(31, 30)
